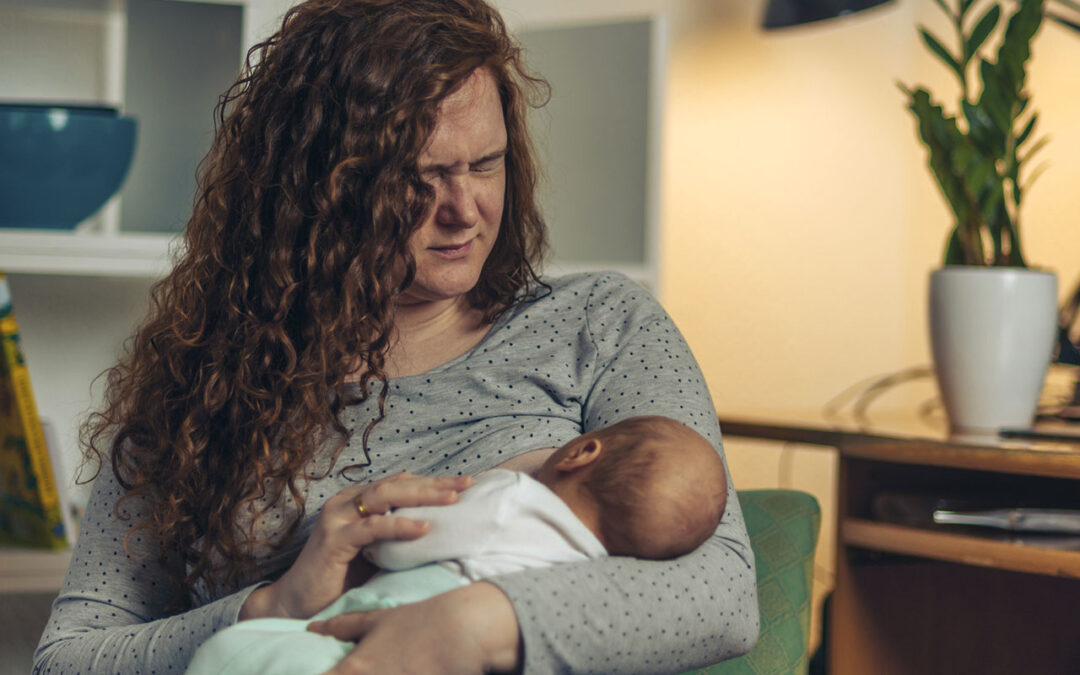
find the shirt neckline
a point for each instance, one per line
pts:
(495, 327)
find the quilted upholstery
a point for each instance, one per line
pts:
(783, 527)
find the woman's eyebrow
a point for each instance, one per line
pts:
(491, 157)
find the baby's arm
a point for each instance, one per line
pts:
(457, 530)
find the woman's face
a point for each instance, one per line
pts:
(465, 163)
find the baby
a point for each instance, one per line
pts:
(647, 487)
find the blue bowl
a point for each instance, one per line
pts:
(59, 164)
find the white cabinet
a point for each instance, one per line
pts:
(163, 62)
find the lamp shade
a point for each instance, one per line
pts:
(784, 13)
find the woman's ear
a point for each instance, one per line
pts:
(580, 455)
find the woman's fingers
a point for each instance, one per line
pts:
(349, 627)
(379, 528)
(320, 573)
(365, 511)
(405, 490)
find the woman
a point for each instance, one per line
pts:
(358, 298)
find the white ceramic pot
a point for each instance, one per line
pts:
(992, 330)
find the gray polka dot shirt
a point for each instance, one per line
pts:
(594, 350)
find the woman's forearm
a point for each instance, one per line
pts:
(626, 616)
(94, 635)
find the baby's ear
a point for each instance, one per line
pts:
(580, 455)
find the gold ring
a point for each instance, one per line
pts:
(358, 501)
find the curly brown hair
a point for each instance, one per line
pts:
(305, 206)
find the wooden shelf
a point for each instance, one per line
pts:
(79, 253)
(29, 571)
(959, 548)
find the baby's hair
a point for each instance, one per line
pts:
(640, 514)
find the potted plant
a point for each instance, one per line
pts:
(992, 319)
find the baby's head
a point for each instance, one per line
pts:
(648, 487)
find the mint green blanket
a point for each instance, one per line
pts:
(286, 647)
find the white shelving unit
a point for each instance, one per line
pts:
(77, 51)
(86, 254)
(24, 571)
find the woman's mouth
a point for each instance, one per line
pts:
(452, 252)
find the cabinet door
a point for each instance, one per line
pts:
(596, 139)
(180, 57)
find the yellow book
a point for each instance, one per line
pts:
(30, 513)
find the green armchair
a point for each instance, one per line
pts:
(783, 527)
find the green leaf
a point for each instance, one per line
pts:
(1062, 21)
(996, 226)
(949, 153)
(997, 96)
(987, 136)
(1039, 145)
(965, 5)
(1035, 173)
(1028, 128)
(1015, 257)
(954, 249)
(981, 31)
(942, 53)
(945, 8)
(1015, 48)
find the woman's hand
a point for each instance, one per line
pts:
(321, 573)
(472, 629)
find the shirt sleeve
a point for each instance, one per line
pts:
(623, 614)
(111, 614)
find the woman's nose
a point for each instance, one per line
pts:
(458, 203)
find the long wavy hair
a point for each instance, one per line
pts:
(305, 206)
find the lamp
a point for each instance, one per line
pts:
(785, 13)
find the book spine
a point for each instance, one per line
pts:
(31, 423)
(27, 418)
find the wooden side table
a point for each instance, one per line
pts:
(914, 598)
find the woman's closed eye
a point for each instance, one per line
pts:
(488, 164)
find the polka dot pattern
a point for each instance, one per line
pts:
(593, 350)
